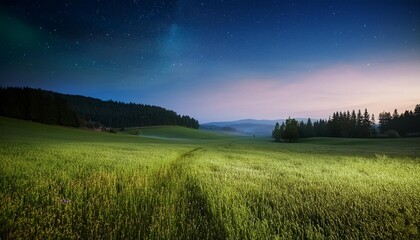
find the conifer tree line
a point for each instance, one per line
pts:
(346, 124)
(36, 105)
(406, 124)
(71, 110)
(352, 125)
(119, 115)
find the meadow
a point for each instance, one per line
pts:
(177, 183)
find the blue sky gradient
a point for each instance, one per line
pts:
(213, 60)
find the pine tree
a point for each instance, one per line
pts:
(359, 124)
(353, 124)
(384, 121)
(302, 129)
(309, 131)
(366, 124)
(275, 130)
(372, 125)
(291, 130)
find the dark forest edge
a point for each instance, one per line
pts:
(352, 125)
(79, 111)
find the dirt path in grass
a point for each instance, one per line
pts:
(184, 203)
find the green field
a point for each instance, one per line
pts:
(177, 183)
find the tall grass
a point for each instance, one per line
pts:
(66, 183)
(264, 195)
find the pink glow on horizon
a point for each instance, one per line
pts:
(315, 95)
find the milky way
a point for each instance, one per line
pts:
(216, 60)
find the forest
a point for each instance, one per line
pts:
(352, 125)
(37, 105)
(79, 111)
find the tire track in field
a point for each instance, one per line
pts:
(190, 208)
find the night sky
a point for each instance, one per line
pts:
(219, 59)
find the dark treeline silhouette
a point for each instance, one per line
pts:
(405, 124)
(341, 124)
(119, 114)
(345, 124)
(355, 125)
(36, 105)
(71, 110)
(289, 130)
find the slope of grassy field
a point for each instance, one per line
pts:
(173, 132)
(60, 182)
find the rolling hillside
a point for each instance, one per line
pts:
(173, 132)
(173, 182)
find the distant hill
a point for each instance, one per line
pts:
(73, 110)
(217, 128)
(244, 126)
(118, 114)
(245, 121)
(247, 126)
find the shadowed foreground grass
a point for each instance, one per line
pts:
(66, 183)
